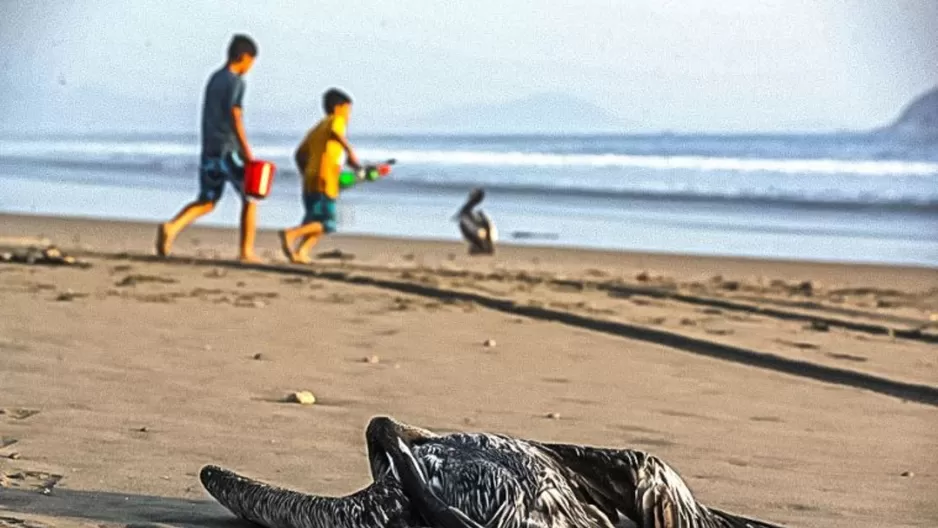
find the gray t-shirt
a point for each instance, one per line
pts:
(224, 91)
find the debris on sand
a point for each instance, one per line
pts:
(18, 414)
(303, 398)
(45, 256)
(489, 343)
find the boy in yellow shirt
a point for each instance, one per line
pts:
(319, 160)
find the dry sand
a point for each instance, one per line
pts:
(119, 381)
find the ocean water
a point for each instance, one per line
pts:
(838, 197)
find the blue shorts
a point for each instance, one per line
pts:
(320, 208)
(214, 172)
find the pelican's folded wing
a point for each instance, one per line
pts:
(639, 486)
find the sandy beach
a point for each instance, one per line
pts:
(800, 393)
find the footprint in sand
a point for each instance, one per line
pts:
(847, 357)
(69, 295)
(133, 280)
(801, 345)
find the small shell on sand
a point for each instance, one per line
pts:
(303, 398)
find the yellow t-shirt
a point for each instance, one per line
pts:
(323, 156)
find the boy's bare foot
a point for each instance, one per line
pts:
(286, 246)
(162, 241)
(249, 258)
(301, 259)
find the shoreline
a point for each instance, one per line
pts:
(70, 228)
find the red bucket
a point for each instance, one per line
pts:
(258, 178)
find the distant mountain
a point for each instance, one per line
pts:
(547, 113)
(918, 120)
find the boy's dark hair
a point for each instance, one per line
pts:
(241, 45)
(333, 98)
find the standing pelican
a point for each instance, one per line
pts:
(476, 227)
(479, 480)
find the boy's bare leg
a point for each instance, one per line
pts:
(286, 244)
(168, 232)
(288, 238)
(248, 230)
(307, 245)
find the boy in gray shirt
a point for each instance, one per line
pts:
(225, 150)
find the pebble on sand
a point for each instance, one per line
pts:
(303, 398)
(907, 474)
(371, 359)
(553, 416)
(489, 343)
(258, 356)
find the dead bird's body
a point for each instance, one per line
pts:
(476, 480)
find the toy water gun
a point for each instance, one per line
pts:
(370, 172)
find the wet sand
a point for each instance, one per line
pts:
(120, 380)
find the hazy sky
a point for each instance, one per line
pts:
(690, 65)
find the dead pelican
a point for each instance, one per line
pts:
(476, 480)
(476, 227)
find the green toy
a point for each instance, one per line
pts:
(371, 172)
